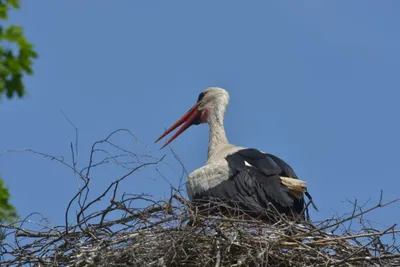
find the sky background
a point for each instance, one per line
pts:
(313, 82)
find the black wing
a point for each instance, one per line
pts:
(256, 184)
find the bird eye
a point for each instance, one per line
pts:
(202, 94)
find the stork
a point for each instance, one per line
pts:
(245, 177)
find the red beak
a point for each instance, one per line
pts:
(187, 119)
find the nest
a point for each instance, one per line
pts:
(137, 230)
(172, 233)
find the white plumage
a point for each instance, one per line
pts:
(246, 176)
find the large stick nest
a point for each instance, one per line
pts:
(169, 233)
(172, 232)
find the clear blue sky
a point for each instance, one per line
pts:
(314, 82)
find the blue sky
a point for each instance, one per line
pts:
(314, 82)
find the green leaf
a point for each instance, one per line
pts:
(16, 54)
(6, 5)
(7, 211)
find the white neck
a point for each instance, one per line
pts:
(217, 131)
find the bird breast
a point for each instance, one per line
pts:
(207, 177)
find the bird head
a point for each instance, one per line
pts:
(211, 101)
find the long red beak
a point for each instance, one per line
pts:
(187, 119)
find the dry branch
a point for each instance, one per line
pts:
(172, 232)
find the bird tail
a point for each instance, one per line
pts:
(297, 187)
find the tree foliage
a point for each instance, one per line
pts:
(16, 60)
(7, 211)
(16, 54)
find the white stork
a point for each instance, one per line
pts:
(242, 176)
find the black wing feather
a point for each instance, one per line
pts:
(257, 159)
(286, 169)
(254, 187)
